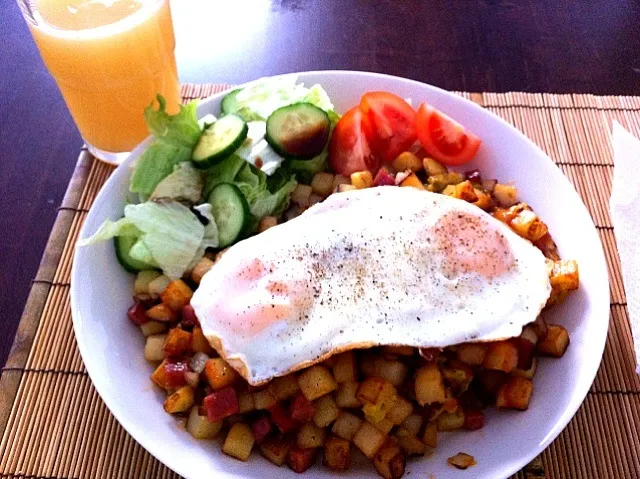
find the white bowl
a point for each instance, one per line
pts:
(113, 350)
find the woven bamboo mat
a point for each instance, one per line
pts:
(53, 424)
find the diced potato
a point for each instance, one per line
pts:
(407, 161)
(378, 396)
(200, 269)
(153, 327)
(159, 376)
(300, 459)
(264, 399)
(326, 411)
(161, 312)
(393, 371)
(314, 199)
(528, 225)
(345, 368)
(505, 195)
(548, 247)
(449, 190)
(154, 347)
(177, 295)
(412, 424)
(457, 375)
(267, 222)
(310, 435)
(462, 461)
(413, 181)
(340, 180)
(556, 342)
(362, 179)
(177, 342)
(346, 395)
(530, 333)
(450, 421)
(179, 401)
(384, 425)
(430, 436)
(322, 184)
(501, 356)
(411, 445)
(199, 343)
(390, 461)
(346, 425)
(527, 373)
(515, 393)
(316, 381)
(465, 191)
(300, 195)
(285, 386)
(400, 411)
(192, 378)
(276, 449)
(432, 167)
(540, 327)
(158, 285)
(200, 427)
(399, 350)
(337, 454)
(368, 439)
(219, 374)
(344, 188)
(484, 201)
(143, 278)
(245, 402)
(429, 386)
(472, 353)
(239, 441)
(564, 277)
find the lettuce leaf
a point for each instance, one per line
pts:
(258, 101)
(175, 138)
(170, 235)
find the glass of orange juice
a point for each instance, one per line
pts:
(110, 58)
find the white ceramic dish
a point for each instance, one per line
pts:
(113, 351)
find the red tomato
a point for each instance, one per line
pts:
(349, 149)
(394, 123)
(443, 138)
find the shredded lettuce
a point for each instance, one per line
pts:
(258, 101)
(170, 235)
(175, 138)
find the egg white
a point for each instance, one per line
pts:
(371, 267)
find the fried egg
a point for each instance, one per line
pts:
(364, 268)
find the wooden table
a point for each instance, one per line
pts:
(583, 46)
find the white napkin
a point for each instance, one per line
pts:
(625, 214)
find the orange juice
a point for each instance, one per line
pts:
(109, 58)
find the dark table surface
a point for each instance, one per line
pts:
(572, 46)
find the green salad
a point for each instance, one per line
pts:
(207, 183)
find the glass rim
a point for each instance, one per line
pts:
(149, 8)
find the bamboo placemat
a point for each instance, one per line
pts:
(54, 426)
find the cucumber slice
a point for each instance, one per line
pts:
(229, 103)
(123, 246)
(219, 140)
(230, 212)
(298, 131)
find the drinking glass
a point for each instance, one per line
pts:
(110, 58)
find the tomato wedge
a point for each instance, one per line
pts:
(394, 123)
(349, 149)
(444, 138)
